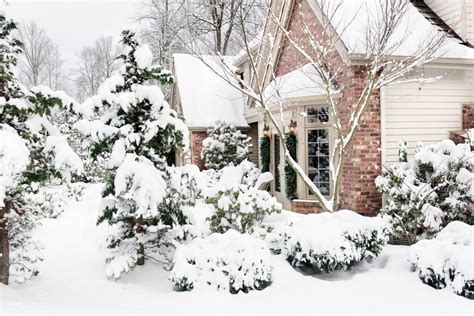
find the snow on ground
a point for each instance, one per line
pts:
(72, 281)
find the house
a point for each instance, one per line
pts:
(203, 97)
(411, 111)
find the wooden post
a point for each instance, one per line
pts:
(4, 249)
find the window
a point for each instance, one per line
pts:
(318, 147)
(276, 159)
(318, 114)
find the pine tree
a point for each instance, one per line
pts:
(225, 145)
(136, 129)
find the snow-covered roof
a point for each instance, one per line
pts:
(414, 29)
(300, 83)
(205, 96)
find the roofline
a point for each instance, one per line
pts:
(436, 20)
(358, 58)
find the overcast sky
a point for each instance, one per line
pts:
(75, 23)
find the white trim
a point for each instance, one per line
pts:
(382, 125)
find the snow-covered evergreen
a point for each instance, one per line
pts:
(446, 261)
(228, 262)
(225, 145)
(430, 190)
(133, 127)
(33, 153)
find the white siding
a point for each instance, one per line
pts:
(456, 13)
(424, 113)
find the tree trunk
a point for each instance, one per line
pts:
(4, 248)
(141, 255)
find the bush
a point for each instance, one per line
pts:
(229, 262)
(447, 259)
(429, 191)
(241, 208)
(224, 145)
(330, 241)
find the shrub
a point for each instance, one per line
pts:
(229, 262)
(330, 241)
(223, 146)
(429, 191)
(241, 208)
(447, 259)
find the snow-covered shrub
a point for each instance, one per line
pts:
(447, 260)
(241, 208)
(430, 190)
(225, 145)
(33, 152)
(329, 241)
(228, 262)
(251, 173)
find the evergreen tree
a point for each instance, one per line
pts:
(225, 145)
(33, 153)
(135, 128)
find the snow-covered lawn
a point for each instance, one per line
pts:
(72, 280)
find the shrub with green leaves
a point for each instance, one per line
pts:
(329, 241)
(430, 190)
(242, 208)
(225, 145)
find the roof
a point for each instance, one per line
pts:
(414, 29)
(206, 96)
(300, 83)
(435, 19)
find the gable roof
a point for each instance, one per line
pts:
(205, 96)
(414, 29)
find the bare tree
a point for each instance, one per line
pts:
(37, 45)
(95, 64)
(53, 69)
(165, 26)
(219, 22)
(384, 33)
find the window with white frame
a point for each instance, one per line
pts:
(318, 147)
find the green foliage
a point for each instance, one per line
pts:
(133, 73)
(241, 208)
(430, 190)
(265, 153)
(225, 145)
(290, 174)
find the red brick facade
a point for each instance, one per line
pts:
(468, 116)
(196, 146)
(305, 207)
(363, 160)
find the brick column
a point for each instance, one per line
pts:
(468, 116)
(196, 142)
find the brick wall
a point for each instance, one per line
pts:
(305, 207)
(363, 160)
(196, 145)
(468, 116)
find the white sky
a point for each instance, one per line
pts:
(73, 24)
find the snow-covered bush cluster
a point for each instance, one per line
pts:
(34, 153)
(228, 262)
(241, 208)
(225, 145)
(329, 241)
(429, 191)
(447, 260)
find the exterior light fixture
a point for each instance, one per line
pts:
(266, 130)
(293, 126)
